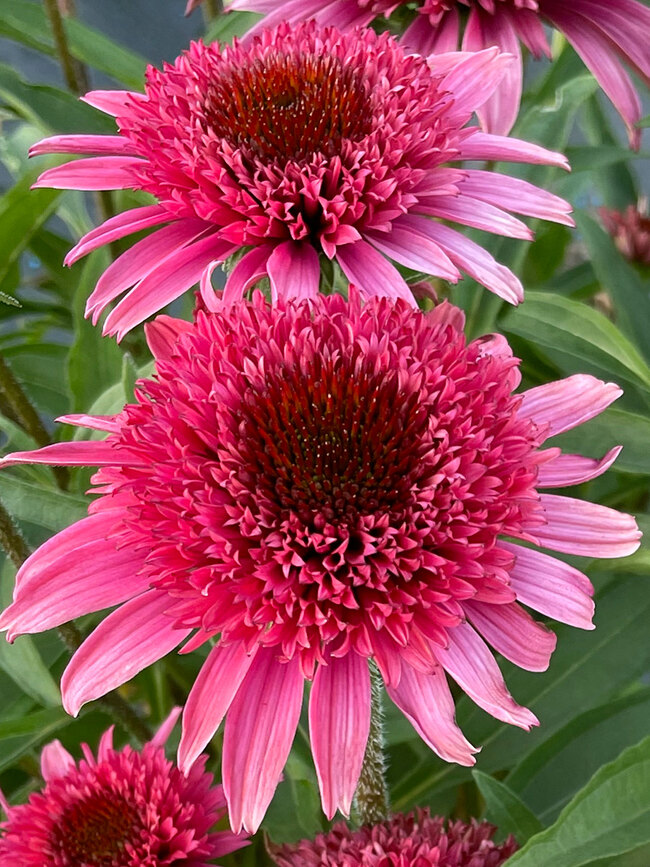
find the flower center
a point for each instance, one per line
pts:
(94, 830)
(285, 106)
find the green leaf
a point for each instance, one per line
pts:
(620, 280)
(225, 27)
(51, 509)
(19, 735)
(27, 23)
(587, 158)
(610, 816)
(95, 362)
(577, 338)
(614, 427)
(506, 810)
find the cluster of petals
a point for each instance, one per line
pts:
(413, 840)
(122, 808)
(630, 230)
(315, 484)
(302, 146)
(605, 33)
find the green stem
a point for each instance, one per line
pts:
(74, 72)
(11, 539)
(371, 802)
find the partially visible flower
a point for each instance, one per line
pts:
(123, 808)
(316, 484)
(603, 32)
(630, 230)
(413, 840)
(305, 144)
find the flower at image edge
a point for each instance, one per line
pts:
(122, 808)
(303, 146)
(317, 484)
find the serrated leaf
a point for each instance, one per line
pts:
(506, 810)
(610, 816)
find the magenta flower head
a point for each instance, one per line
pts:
(305, 146)
(630, 230)
(315, 484)
(605, 33)
(123, 808)
(413, 840)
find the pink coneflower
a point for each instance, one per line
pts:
(630, 230)
(320, 483)
(121, 809)
(603, 32)
(305, 144)
(413, 840)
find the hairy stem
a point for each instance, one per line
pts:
(11, 539)
(74, 72)
(371, 803)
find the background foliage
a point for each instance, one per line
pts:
(577, 788)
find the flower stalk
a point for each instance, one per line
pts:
(371, 801)
(73, 72)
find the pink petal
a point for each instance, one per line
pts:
(513, 633)
(586, 529)
(250, 268)
(411, 244)
(495, 148)
(474, 79)
(468, 211)
(93, 173)
(127, 641)
(339, 722)
(118, 227)
(56, 761)
(162, 735)
(516, 195)
(499, 113)
(470, 663)
(424, 39)
(107, 145)
(626, 23)
(113, 102)
(568, 470)
(260, 727)
(208, 293)
(567, 403)
(372, 273)
(84, 573)
(551, 587)
(96, 453)
(139, 260)
(478, 263)
(210, 697)
(530, 30)
(425, 700)
(294, 271)
(162, 335)
(108, 423)
(176, 273)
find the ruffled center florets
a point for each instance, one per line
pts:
(322, 474)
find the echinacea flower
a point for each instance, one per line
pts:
(318, 483)
(304, 146)
(630, 230)
(122, 808)
(416, 839)
(603, 32)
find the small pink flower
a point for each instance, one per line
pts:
(630, 230)
(603, 32)
(303, 146)
(413, 840)
(318, 483)
(122, 809)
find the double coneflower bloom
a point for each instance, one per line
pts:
(308, 486)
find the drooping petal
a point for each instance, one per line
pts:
(162, 735)
(56, 761)
(260, 727)
(96, 453)
(107, 423)
(587, 529)
(113, 102)
(516, 195)
(294, 271)
(513, 633)
(474, 79)
(414, 249)
(127, 641)
(211, 695)
(566, 470)
(473, 212)
(469, 661)
(92, 173)
(427, 703)
(339, 722)
(118, 227)
(372, 273)
(107, 145)
(424, 39)
(250, 268)
(551, 587)
(495, 148)
(569, 402)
